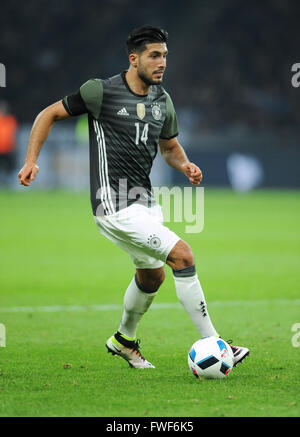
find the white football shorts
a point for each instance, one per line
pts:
(140, 232)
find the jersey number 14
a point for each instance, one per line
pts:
(144, 136)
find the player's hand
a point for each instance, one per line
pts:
(193, 172)
(27, 174)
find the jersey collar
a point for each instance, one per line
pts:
(129, 89)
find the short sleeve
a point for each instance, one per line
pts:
(74, 105)
(170, 126)
(87, 99)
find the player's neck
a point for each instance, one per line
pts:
(135, 83)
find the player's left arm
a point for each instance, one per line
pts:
(175, 156)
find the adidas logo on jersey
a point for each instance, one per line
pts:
(122, 111)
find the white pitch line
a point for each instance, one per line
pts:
(156, 306)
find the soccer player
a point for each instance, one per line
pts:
(129, 115)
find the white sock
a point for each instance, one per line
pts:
(136, 303)
(191, 296)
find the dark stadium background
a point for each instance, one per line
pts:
(229, 74)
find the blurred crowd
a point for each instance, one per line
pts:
(8, 130)
(229, 63)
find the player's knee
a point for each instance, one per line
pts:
(187, 257)
(157, 279)
(161, 278)
(181, 256)
(150, 282)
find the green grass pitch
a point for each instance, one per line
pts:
(55, 267)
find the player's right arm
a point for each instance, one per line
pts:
(38, 135)
(87, 99)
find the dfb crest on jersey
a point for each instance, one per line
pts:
(141, 110)
(156, 112)
(154, 241)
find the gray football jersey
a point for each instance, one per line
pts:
(124, 129)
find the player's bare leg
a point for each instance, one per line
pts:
(138, 298)
(190, 294)
(150, 279)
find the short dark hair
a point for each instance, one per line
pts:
(147, 34)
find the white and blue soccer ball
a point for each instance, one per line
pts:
(210, 357)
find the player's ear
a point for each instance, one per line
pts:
(133, 59)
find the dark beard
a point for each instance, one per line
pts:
(146, 80)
